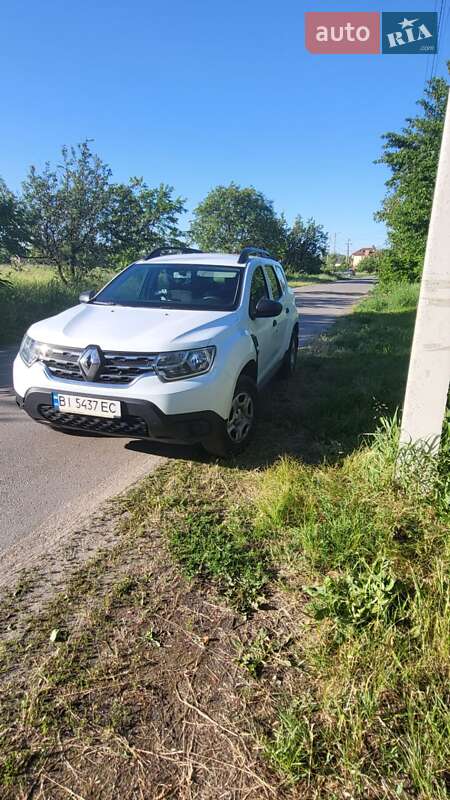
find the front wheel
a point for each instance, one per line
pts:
(289, 364)
(234, 434)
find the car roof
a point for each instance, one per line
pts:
(210, 259)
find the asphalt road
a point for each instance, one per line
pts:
(49, 479)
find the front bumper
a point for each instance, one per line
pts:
(140, 419)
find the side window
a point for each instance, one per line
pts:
(274, 283)
(258, 290)
(281, 277)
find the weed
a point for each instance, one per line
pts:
(368, 594)
(125, 586)
(152, 637)
(293, 748)
(255, 655)
(208, 547)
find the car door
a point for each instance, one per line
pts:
(282, 326)
(262, 329)
(289, 302)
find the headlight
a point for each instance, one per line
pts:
(184, 363)
(30, 350)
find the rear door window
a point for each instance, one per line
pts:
(281, 277)
(274, 283)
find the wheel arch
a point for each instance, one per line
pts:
(250, 370)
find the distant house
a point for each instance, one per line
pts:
(358, 255)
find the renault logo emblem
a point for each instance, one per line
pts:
(90, 362)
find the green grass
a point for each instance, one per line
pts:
(370, 558)
(33, 294)
(303, 279)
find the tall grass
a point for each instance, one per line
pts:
(33, 294)
(373, 717)
(375, 720)
(395, 298)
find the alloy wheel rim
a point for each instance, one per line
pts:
(241, 417)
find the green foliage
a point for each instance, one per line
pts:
(293, 749)
(231, 217)
(306, 246)
(34, 294)
(375, 703)
(79, 220)
(443, 476)
(207, 547)
(254, 657)
(334, 262)
(13, 225)
(391, 299)
(365, 595)
(412, 157)
(141, 218)
(371, 263)
(68, 209)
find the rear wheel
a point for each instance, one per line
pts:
(289, 364)
(233, 434)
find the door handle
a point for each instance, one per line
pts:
(274, 323)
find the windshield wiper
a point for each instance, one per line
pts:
(105, 303)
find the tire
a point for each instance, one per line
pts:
(287, 369)
(234, 434)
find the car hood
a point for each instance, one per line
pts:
(131, 329)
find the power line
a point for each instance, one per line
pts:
(429, 59)
(440, 25)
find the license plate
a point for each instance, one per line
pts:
(89, 406)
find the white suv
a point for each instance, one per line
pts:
(173, 349)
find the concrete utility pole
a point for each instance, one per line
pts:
(334, 243)
(429, 367)
(349, 241)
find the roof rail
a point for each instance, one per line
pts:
(165, 251)
(248, 252)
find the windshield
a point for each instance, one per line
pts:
(176, 285)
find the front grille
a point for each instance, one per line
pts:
(123, 426)
(62, 362)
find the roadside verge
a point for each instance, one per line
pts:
(275, 625)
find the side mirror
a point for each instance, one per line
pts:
(268, 308)
(86, 297)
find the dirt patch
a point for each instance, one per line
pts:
(145, 690)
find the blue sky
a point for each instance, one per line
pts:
(200, 93)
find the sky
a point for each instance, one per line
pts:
(197, 93)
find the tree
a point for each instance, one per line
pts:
(372, 262)
(412, 156)
(232, 217)
(141, 218)
(306, 247)
(68, 209)
(13, 224)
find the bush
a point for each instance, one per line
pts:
(392, 269)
